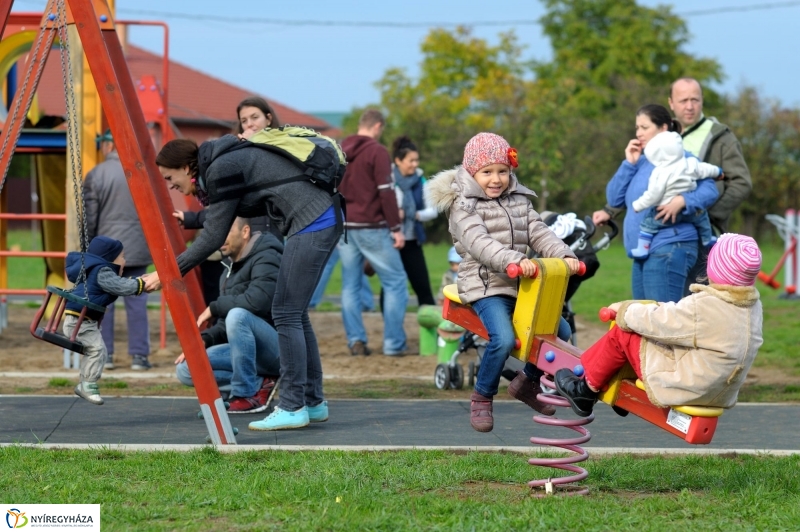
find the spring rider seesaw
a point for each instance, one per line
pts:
(535, 320)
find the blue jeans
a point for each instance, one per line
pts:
(376, 246)
(136, 312)
(662, 275)
(304, 258)
(250, 354)
(367, 299)
(699, 219)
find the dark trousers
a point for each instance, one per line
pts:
(417, 272)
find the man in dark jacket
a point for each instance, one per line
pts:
(243, 345)
(110, 212)
(374, 233)
(713, 143)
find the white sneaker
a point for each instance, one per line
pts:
(89, 391)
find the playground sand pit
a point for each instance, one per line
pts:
(28, 365)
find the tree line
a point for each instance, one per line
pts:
(571, 117)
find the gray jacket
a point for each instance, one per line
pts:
(110, 210)
(236, 183)
(490, 234)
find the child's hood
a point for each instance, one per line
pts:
(665, 148)
(73, 264)
(443, 188)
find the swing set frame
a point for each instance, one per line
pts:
(94, 24)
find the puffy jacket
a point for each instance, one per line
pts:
(249, 284)
(90, 286)
(697, 351)
(490, 234)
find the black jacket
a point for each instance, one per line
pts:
(196, 219)
(249, 284)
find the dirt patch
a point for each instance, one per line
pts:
(346, 376)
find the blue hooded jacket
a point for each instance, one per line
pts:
(102, 250)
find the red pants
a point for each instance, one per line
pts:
(609, 354)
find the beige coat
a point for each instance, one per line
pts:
(490, 234)
(697, 351)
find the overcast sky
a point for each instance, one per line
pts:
(333, 68)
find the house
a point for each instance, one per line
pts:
(200, 105)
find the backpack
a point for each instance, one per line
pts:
(319, 158)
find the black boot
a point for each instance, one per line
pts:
(575, 390)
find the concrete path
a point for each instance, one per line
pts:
(368, 423)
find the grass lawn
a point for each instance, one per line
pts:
(408, 490)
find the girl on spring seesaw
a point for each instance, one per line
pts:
(493, 223)
(693, 352)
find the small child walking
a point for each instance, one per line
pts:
(492, 224)
(693, 352)
(674, 174)
(104, 261)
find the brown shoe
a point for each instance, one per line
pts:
(359, 348)
(481, 413)
(525, 390)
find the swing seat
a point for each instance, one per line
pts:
(50, 332)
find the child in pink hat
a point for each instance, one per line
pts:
(693, 352)
(493, 224)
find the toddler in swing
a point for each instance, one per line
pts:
(101, 285)
(693, 352)
(492, 224)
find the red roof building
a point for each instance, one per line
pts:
(200, 106)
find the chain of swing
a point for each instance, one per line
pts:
(57, 15)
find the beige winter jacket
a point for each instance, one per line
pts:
(490, 234)
(697, 351)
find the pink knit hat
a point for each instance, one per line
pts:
(487, 148)
(734, 260)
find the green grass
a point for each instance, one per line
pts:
(409, 490)
(25, 272)
(60, 382)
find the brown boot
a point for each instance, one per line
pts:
(481, 413)
(525, 390)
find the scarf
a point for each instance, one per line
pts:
(406, 183)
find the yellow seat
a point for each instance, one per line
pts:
(696, 411)
(451, 292)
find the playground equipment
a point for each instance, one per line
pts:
(449, 374)
(94, 24)
(535, 321)
(789, 229)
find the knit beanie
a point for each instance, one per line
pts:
(105, 247)
(485, 149)
(734, 260)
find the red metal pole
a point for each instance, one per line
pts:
(150, 195)
(5, 10)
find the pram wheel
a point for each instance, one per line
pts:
(449, 376)
(456, 377)
(473, 372)
(441, 377)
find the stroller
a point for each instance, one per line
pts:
(577, 234)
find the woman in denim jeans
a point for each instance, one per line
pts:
(661, 276)
(251, 182)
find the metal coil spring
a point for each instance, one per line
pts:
(570, 444)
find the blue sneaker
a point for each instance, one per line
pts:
(281, 420)
(319, 413)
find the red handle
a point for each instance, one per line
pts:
(514, 271)
(606, 314)
(581, 269)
